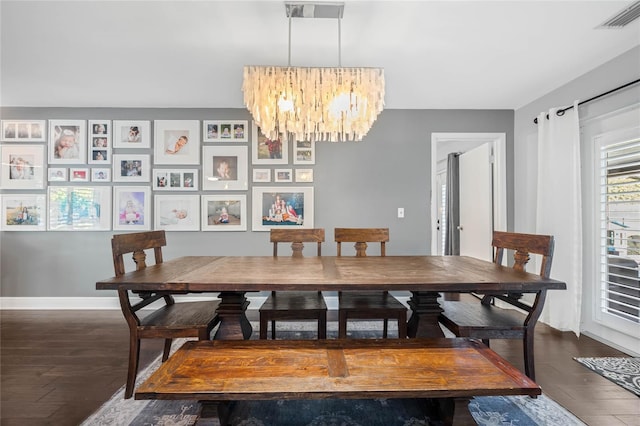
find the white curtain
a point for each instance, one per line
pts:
(559, 213)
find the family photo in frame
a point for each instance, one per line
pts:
(22, 166)
(23, 212)
(278, 207)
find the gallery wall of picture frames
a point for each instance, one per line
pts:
(134, 175)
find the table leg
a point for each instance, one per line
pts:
(234, 324)
(424, 318)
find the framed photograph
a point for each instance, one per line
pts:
(266, 151)
(23, 130)
(304, 175)
(131, 168)
(304, 152)
(101, 175)
(224, 212)
(225, 131)
(67, 141)
(99, 142)
(79, 208)
(79, 175)
(177, 212)
(277, 207)
(262, 175)
(283, 175)
(131, 208)
(23, 212)
(22, 166)
(175, 179)
(225, 168)
(131, 134)
(57, 174)
(176, 142)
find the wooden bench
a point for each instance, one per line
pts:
(449, 370)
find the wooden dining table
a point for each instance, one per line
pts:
(426, 277)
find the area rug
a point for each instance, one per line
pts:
(494, 411)
(623, 371)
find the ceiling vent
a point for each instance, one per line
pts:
(624, 17)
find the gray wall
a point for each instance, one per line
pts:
(356, 184)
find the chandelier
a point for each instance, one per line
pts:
(321, 104)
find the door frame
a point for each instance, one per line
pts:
(499, 144)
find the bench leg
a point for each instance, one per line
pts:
(450, 411)
(213, 412)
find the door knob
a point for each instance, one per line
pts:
(460, 228)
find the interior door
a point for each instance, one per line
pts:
(476, 203)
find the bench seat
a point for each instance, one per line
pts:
(223, 371)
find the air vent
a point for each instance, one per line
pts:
(623, 18)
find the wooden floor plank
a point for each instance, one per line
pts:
(100, 339)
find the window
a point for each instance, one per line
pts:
(619, 202)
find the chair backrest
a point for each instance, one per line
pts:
(524, 245)
(136, 243)
(297, 238)
(361, 236)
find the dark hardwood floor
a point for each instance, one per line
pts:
(57, 367)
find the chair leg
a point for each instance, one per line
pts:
(402, 326)
(132, 372)
(322, 326)
(273, 330)
(529, 365)
(342, 324)
(167, 349)
(486, 342)
(264, 321)
(385, 328)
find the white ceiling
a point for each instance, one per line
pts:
(436, 54)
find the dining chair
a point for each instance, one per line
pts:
(173, 320)
(484, 320)
(294, 305)
(367, 304)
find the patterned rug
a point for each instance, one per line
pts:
(622, 371)
(511, 410)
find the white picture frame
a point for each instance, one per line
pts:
(261, 175)
(131, 134)
(100, 175)
(283, 175)
(266, 151)
(266, 215)
(23, 212)
(99, 141)
(132, 208)
(131, 168)
(175, 179)
(176, 142)
(57, 174)
(23, 130)
(79, 174)
(225, 168)
(225, 130)
(177, 212)
(22, 166)
(304, 175)
(67, 141)
(79, 208)
(304, 152)
(222, 212)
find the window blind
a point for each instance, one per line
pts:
(620, 229)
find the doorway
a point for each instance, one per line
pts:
(495, 205)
